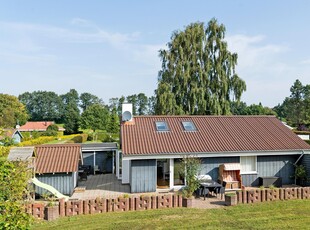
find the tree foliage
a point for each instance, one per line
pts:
(95, 117)
(12, 112)
(253, 109)
(198, 72)
(295, 109)
(13, 187)
(72, 113)
(87, 99)
(42, 105)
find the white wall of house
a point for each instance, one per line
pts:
(304, 137)
(125, 171)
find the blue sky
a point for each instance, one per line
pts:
(111, 48)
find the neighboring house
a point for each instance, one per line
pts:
(153, 147)
(12, 133)
(39, 126)
(100, 156)
(57, 165)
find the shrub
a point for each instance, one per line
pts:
(4, 151)
(52, 130)
(79, 138)
(12, 191)
(37, 141)
(190, 167)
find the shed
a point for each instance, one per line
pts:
(57, 165)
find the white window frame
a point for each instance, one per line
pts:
(248, 172)
(190, 125)
(162, 124)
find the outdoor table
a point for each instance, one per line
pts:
(211, 185)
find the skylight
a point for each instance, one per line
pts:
(161, 126)
(188, 126)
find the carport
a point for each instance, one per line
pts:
(100, 157)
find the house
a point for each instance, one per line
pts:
(11, 133)
(39, 126)
(100, 157)
(57, 165)
(153, 147)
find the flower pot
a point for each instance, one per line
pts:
(188, 202)
(231, 200)
(51, 213)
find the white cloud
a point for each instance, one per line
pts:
(264, 67)
(305, 62)
(83, 32)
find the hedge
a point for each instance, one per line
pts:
(4, 151)
(37, 141)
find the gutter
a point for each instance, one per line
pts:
(295, 164)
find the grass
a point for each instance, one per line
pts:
(293, 214)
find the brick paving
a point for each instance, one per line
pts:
(108, 186)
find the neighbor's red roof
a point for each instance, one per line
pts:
(214, 134)
(37, 126)
(57, 158)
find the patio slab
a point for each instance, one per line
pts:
(102, 185)
(108, 186)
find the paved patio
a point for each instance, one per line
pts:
(102, 185)
(108, 186)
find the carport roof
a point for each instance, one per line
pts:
(99, 146)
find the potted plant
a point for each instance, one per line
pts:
(300, 175)
(189, 169)
(231, 199)
(51, 211)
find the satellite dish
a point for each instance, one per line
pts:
(127, 116)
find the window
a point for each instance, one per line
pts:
(161, 126)
(248, 164)
(188, 126)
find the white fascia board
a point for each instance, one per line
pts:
(203, 155)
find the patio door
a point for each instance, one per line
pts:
(163, 173)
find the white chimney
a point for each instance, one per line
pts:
(126, 111)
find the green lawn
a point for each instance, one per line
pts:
(294, 214)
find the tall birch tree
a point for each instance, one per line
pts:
(198, 72)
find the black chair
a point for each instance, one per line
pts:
(220, 190)
(201, 191)
(83, 175)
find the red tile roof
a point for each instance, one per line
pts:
(37, 126)
(57, 158)
(214, 134)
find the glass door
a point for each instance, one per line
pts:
(163, 173)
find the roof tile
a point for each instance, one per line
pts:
(214, 134)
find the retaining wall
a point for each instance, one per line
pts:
(102, 205)
(263, 195)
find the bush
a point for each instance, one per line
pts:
(4, 151)
(12, 211)
(38, 141)
(52, 130)
(78, 139)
